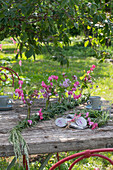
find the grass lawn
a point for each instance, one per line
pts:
(80, 61)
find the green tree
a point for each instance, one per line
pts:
(38, 22)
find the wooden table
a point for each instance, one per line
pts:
(46, 137)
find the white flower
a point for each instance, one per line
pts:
(37, 114)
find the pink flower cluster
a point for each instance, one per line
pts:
(49, 90)
(53, 77)
(94, 125)
(74, 89)
(20, 91)
(91, 69)
(26, 99)
(77, 96)
(55, 88)
(14, 42)
(87, 76)
(40, 114)
(1, 47)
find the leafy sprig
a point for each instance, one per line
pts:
(96, 116)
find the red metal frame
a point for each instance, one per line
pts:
(25, 165)
(6, 77)
(84, 154)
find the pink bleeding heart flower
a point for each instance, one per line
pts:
(79, 95)
(88, 72)
(91, 69)
(1, 47)
(44, 85)
(85, 79)
(50, 78)
(17, 90)
(20, 84)
(54, 77)
(87, 114)
(74, 89)
(95, 125)
(76, 83)
(93, 66)
(30, 122)
(14, 41)
(20, 63)
(91, 123)
(75, 96)
(70, 92)
(51, 84)
(40, 114)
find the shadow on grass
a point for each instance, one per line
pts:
(9, 50)
(81, 58)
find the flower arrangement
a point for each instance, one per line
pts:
(54, 88)
(65, 88)
(60, 89)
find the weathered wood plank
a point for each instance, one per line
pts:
(59, 141)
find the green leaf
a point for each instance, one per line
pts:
(88, 27)
(95, 20)
(102, 60)
(16, 57)
(30, 92)
(23, 26)
(29, 53)
(11, 164)
(23, 37)
(71, 3)
(64, 2)
(2, 15)
(86, 43)
(76, 25)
